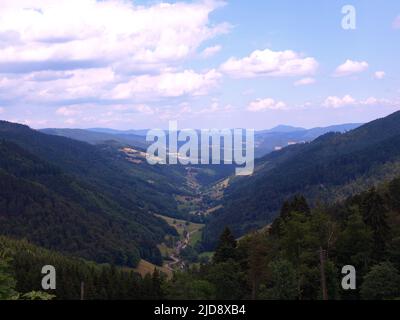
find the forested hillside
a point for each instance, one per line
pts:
(301, 256)
(20, 273)
(103, 167)
(331, 167)
(53, 209)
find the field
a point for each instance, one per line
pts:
(144, 267)
(181, 226)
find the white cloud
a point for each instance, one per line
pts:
(214, 108)
(379, 75)
(270, 63)
(348, 101)
(140, 108)
(211, 51)
(183, 83)
(266, 104)
(68, 111)
(350, 67)
(396, 23)
(1, 110)
(304, 82)
(42, 34)
(74, 51)
(337, 102)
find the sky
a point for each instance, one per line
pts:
(206, 64)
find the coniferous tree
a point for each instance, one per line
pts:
(7, 282)
(375, 216)
(381, 283)
(226, 247)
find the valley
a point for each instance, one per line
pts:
(103, 203)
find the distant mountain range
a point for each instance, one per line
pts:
(91, 193)
(266, 141)
(282, 136)
(330, 167)
(100, 137)
(82, 199)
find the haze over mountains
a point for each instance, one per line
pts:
(266, 141)
(103, 181)
(329, 168)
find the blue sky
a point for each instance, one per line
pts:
(207, 64)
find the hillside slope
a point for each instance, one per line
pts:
(332, 166)
(39, 202)
(104, 167)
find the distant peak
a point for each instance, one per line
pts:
(285, 128)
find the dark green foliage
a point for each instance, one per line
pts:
(311, 248)
(226, 247)
(227, 279)
(381, 283)
(40, 203)
(7, 282)
(185, 286)
(297, 204)
(101, 282)
(374, 213)
(282, 282)
(331, 167)
(355, 243)
(73, 197)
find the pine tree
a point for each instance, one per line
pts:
(374, 214)
(297, 204)
(226, 247)
(7, 282)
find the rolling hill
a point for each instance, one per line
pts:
(81, 199)
(331, 167)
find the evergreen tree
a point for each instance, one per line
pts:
(7, 282)
(226, 247)
(381, 283)
(297, 204)
(375, 216)
(282, 281)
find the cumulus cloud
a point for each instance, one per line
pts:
(265, 104)
(379, 75)
(87, 32)
(270, 63)
(87, 51)
(351, 67)
(211, 51)
(338, 102)
(214, 108)
(183, 83)
(140, 108)
(68, 111)
(347, 101)
(304, 82)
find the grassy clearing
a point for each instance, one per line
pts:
(182, 225)
(195, 238)
(144, 267)
(206, 254)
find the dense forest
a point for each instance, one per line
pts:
(284, 261)
(284, 233)
(20, 276)
(330, 168)
(72, 197)
(299, 257)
